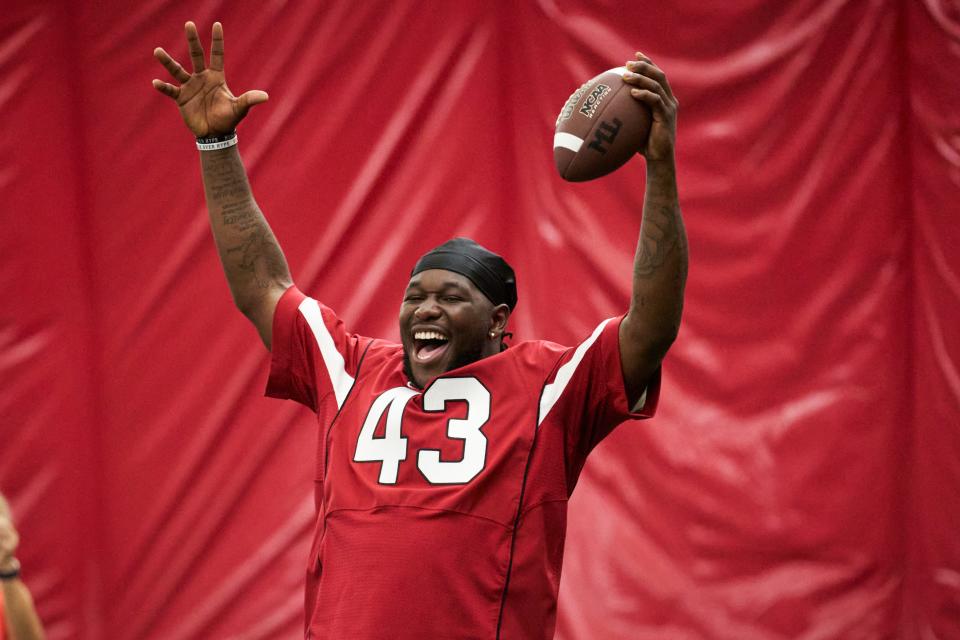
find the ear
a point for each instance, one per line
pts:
(499, 317)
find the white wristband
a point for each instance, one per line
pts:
(212, 144)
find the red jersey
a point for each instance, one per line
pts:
(442, 511)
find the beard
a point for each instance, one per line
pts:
(472, 352)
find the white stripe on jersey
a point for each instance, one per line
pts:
(551, 392)
(336, 367)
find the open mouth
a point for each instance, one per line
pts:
(429, 345)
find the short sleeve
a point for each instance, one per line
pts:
(587, 394)
(314, 359)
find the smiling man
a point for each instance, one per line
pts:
(445, 462)
(457, 293)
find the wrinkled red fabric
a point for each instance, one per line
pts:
(800, 480)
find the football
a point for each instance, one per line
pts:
(599, 128)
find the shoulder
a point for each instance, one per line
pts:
(605, 335)
(532, 361)
(379, 348)
(535, 351)
(378, 353)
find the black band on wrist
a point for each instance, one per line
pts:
(12, 574)
(215, 139)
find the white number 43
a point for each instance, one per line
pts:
(391, 449)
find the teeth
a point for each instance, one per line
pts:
(428, 335)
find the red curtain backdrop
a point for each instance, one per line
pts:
(801, 479)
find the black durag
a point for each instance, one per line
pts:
(488, 271)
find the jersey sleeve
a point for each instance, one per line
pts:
(586, 393)
(314, 359)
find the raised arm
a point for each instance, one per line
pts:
(251, 257)
(660, 264)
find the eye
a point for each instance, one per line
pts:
(452, 299)
(413, 297)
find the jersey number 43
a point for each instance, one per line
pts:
(391, 449)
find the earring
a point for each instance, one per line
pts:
(493, 334)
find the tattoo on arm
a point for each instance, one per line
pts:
(658, 238)
(250, 252)
(259, 247)
(659, 276)
(660, 264)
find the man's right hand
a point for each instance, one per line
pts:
(205, 102)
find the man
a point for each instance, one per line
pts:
(444, 463)
(18, 618)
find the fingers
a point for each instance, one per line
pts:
(166, 88)
(650, 92)
(644, 83)
(249, 99)
(644, 66)
(196, 49)
(216, 47)
(179, 73)
(652, 100)
(650, 86)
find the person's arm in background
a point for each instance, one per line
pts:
(19, 614)
(251, 257)
(660, 263)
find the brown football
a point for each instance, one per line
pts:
(600, 127)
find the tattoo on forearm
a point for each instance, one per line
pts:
(659, 236)
(660, 264)
(241, 215)
(248, 244)
(259, 248)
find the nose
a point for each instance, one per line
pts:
(426, 309)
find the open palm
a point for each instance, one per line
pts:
(206, 103)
